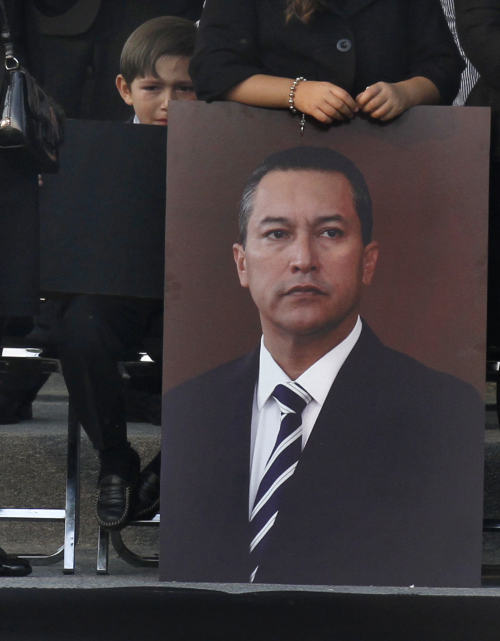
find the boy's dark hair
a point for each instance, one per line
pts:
(318, 159)
(162, 36)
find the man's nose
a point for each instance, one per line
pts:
(303, 255)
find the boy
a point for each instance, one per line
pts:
(154, 68)
(97, 332)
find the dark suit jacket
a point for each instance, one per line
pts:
(352, 43)
(388, 490)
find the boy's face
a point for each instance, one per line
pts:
(150, 95)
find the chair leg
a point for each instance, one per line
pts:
(127, 554)
(70, 515)
(102, 551)
(72, 508)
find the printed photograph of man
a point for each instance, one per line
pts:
(324, 457)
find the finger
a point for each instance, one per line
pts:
(333, 103)
(327, 114)
(381, 113)
(340, 112)
(386, 115)
(375, 103)
(341, 97)
(321, 116)
(387, 111)
(368, 94)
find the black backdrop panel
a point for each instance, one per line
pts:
(18, 235)
(103, 213)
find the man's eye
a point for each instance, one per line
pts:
(185, 89)
(332, 233)
(276, 234)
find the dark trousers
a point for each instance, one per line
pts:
(97, 332)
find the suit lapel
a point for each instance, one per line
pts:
(352, 382)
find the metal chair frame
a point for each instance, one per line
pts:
(70, 514)
(121, 549)
(104, 536)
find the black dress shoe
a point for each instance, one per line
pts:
(147, 502)
(12, 565)
(116, 490)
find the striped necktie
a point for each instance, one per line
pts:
(280, 466)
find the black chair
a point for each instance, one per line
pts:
(70, 513)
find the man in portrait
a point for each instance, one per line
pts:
(323, 457)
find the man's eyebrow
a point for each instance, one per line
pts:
(274, 220)
(320, 220)
(332, 218)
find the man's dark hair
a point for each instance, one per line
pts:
(316, 159)
(161, 36)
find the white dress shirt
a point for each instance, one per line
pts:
(317, 381)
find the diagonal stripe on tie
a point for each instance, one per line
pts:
(284, 476)
(292, 399)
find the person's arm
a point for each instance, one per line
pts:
(434, 64)
(432, 52)
(227, 50)
(321, 100)
(384, 100)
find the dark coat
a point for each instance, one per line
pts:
(367, 41)
(388, 489)
(478, 28)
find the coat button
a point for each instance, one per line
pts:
(344, 45)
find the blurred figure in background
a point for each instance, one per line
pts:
(478, 27)
(469, 74)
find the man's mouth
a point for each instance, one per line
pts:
(304, 290)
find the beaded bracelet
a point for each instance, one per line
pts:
(291, 102)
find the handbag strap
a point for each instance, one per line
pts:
(11, 62)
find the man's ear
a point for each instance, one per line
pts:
(123, 89)
(370, 257)
(241, 266)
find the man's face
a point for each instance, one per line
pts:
(304, 260)
(150, 95)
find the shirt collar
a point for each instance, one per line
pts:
(317, 380)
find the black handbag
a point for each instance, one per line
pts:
(29, 119)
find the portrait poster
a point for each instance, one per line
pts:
(388, 501)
